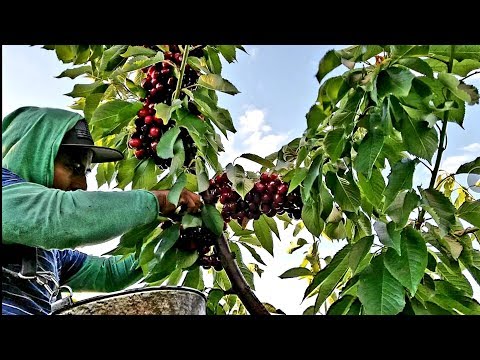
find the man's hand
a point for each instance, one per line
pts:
(191, 200)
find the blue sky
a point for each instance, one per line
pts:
(277, 85)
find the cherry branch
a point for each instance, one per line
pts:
(239, 284)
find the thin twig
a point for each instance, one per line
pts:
(474, 73)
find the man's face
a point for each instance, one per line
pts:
(71, 168)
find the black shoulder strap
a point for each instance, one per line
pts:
(16, 253)
(29, 262)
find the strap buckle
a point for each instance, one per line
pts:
(65, 301)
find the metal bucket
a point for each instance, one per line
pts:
(155, 300)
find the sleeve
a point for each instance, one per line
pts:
(35, 215)
(70, 262)
(105, 274)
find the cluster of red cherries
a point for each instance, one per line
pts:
(160, 83)
(268, 196)
(202, 240)
(199, 239)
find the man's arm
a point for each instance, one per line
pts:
(99, 274)
(35, 215)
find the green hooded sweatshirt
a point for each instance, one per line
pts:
(36, 215)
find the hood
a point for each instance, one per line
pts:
(31, 137)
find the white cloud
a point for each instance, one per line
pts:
(475, 147)
(254, 135)
(452, 163)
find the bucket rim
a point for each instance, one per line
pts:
(132, 291)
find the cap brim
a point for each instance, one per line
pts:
(100, 154)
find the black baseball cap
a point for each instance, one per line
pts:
(79, 137)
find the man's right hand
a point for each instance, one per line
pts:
(191, 200)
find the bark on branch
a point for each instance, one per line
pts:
(239, 284)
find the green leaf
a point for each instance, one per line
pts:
(264, 234)
(334, 143)
(461, 52)
(331, 281)
(228, 52)
(345, 191)
(212, 219)
(138, 50)
(311, 217)
(175, 192)
(198, 64)
(402, 206)
(418, 65)
(75, 72)
(213, 60)
(202, 175)
(472, 167)
(408, 268)
(178, 156)
(358, 252)
(135, 89)
(373, 189)
(313, 174)
(295, 245)
(272, 224)
(145, 176)
(253, 252)
(140, 62)
(66, 53)
(394, 81)
(111, 58)
(246, 272)
(360, 52)
(299, 175)
(258, 159)
(379, 292)
(115, 113)
(240, 183)
(190, 220)
(83, 90)
(341, 306)
(456, 278)
(338, 264)
(452, 83)
(193, 279)
(400, 51)
(164, 111)
(368, 152)
(400, 178)
(126, 171)
(329, 61)
(166, 143)
(164, 267)
(168, 238)
(216, 82)
(137, 234)
(388, 236)
(238, 231)
(420, 139)
(440, 208)
(186, 259)
(249, 239)
(464, 67)
(208, 107)
(91, 104)
(296, 272)
(470, 211)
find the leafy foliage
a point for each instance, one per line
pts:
(366, 133)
